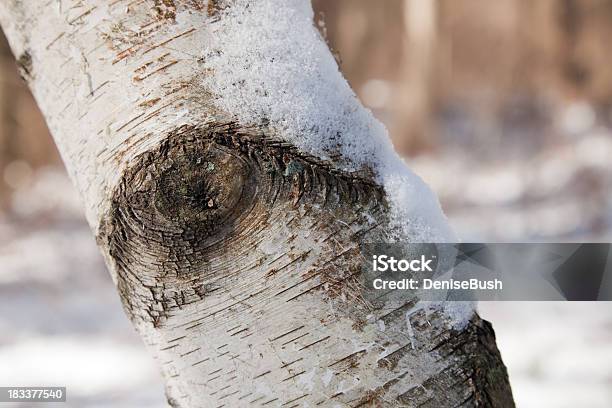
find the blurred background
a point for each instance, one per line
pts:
(504, 107)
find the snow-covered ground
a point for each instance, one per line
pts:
(558, 192)
(61, 321)
(558, 354)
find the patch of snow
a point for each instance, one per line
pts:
(460, 313)
(327, 377)
(278, 72)
(577, 118)
(60, 360)
(307, 379)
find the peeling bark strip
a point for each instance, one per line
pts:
(234, 248)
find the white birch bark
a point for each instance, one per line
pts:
(234, 240)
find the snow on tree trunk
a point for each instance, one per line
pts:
(230, 174)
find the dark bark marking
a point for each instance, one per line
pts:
(82, 15)
(293, 376)
(212, 8)
(262, 374)
(348, 358)
(294, 400)
(294, 339)
(200, 362)
(164, 9)
(238, 332)
(190, 352)
(316, 342)
(168, 40)
(230, 394)
(292, 362)
(24, 64)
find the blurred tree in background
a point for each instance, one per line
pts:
(25, 142)
(422, 64)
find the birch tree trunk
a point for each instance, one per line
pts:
(230, 208)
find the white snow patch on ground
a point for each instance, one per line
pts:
(61, 321)
(279, 72)
(558, 354)
(89, 365)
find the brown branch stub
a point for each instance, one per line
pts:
(187, 200)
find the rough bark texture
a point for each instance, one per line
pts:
(235, 254)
